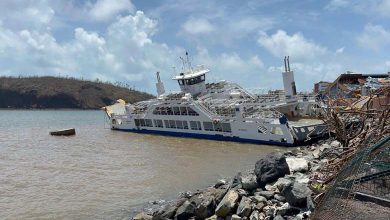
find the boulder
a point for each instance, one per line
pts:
(259, 206)
(267, 194)
(278, 217)
(244, 208)
(204, 204)
(316, 153)
(300, 178)
(296, 194)
(142, 216)
(279, 198)
(296, 164)
(248, 181)
(235, 217)
(270, 167)
(220, 183)
(185, 211)
(282, 183)
(254, 215)
(257, 198)
(287, 209)
(167, 212)
(214, 217)
(227, 204)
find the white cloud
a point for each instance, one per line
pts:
(198, 26)
(337, 4)
(371, 8)
(340, 50)
(374, 37)
(124, 52)
(297, 46)
(107, 9)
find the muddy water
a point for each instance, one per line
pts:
(99, 173)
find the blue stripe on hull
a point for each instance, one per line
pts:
(204, 136)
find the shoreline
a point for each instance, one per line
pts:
(267, 192)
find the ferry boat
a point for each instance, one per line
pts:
(219, 111)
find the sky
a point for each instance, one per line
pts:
(128, 41)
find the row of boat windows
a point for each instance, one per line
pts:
(192, 81)
(178, 124)
(174, 111)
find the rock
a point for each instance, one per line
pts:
(296, 164)
(270, 187)
(220, 183)
(167, 212)
(278, 217)
(227, 204)
(335, 144)
(296, 194)
(214, 217)
(254, 215)
(244, 208)
(267, 194)
(235, 217)
(242, 192)
(270, 167)
(259, 206)
(249, 181)
(282, 183)
(316, 153)
(257, 198)
(269, 211)
(204, 203)
(142, 216)
(279, 198)
(185, 211)
(301, 178)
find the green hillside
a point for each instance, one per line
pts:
(55, 92)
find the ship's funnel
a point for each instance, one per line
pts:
(159, 85)
(288, 80)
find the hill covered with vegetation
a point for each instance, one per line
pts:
(56, 92)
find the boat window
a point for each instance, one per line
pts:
(142, 122)
(226, 127)
(262, 129)
(183, 110)
(218, 127)
(195, 125)
(169, 111)
(208, 126)
(136, 122)
(185, 124)
(148, 123)
(166, 122)
(179, 124)
(158, 123)
(172, 124)
(176, 111)
(192, 112)
(199, 125)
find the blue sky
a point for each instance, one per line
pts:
(240, 41)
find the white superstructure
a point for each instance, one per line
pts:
(223, 111)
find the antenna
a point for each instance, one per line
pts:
(288, 63)
(188, 62)
(285, 64)
(183, 67)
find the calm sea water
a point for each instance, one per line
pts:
(99, 173)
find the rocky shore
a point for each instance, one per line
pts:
(279, 187)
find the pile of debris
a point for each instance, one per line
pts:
(355, 126)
